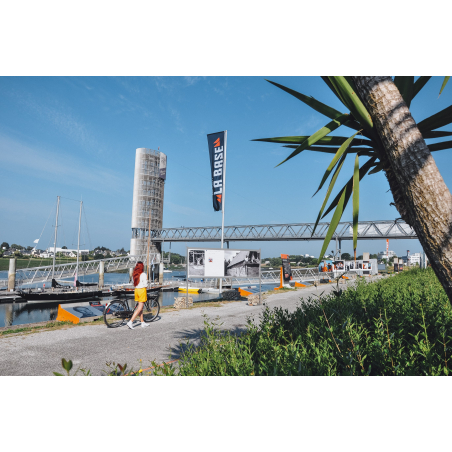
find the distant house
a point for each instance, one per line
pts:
(244, 263)
(66, 250)
(412, 259)
(103, 253)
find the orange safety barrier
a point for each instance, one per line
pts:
(280, 280)
(297, 284)
(244, 293)
(64, 316)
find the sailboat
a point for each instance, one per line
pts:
(60, 292)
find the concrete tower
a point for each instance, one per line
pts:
(148, 191)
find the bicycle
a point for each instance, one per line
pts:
(117, 311)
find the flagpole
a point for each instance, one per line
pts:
(223, 199)
(78, 242)
(55, 241)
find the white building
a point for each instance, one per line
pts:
(66, 251)
(412, 259)
(383, 255)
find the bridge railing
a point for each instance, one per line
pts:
(267, 277)
(42, 274)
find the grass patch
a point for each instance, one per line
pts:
(48, 327)
(24, 263)
(34, 329)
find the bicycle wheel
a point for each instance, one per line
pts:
(116, 314)
(151, 310)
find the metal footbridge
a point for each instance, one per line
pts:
(367, 230)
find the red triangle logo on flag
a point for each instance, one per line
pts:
(216, 143)
(219, 198)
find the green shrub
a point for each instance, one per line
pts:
(398, 326)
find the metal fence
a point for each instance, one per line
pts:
(42, 274)
(267, 277)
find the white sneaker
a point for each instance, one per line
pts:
(130, 325)
(144, 325)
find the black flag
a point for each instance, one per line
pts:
(217, 152)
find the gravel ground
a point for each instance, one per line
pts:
(91, 346)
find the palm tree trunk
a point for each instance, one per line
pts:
(420, 194)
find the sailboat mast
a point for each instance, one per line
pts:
(149, 240)
(56, 233)
(78, 241)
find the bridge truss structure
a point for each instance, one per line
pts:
(367, 230)
(63, 271)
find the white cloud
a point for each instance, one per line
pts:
(191, 80)
(58, 167)
(58, 115)
(163, 83)
(183, 210)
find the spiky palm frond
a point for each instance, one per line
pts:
(366, 145)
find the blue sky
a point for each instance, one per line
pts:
(76, 137)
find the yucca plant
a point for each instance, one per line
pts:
(387, 135)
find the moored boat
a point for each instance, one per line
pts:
(190, 290)
(59, 293)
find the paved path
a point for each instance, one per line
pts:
(91, 346)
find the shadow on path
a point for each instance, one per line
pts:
(191, 338)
